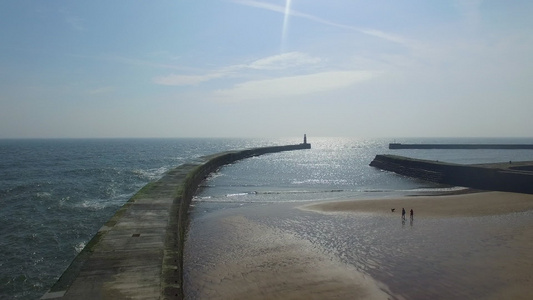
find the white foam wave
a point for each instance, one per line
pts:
(215, 175)
(240, 201)
(43, 195)
(320, 181)
(79, 247)
(440, 189)
(298, 192)
(92, 204)
(151, 174)
(236, 194)
(64, 201)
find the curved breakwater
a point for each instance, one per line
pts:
(139, 251)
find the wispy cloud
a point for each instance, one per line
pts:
(135, 62)
(293, 85)
(368, 31)
(286, 61)
(181, 80)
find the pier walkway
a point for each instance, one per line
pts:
(138, 253)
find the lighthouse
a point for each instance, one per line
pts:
(305, 139)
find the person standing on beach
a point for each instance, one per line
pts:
(403, 213)
(411, 214)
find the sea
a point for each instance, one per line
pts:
(55, 194)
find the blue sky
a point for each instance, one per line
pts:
(242, 68)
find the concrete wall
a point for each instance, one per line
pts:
(485, 177)
(459, 146)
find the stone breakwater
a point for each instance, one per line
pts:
(460, 146)
(508, 177)
(138, 253)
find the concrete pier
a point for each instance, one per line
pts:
(507, 176)
(396, 146)
(138, 253)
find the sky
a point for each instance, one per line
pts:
(247, 68)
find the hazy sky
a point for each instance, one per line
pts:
(242, 68)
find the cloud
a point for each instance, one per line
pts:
(281, 9)
(135, 62)
(182, 80)
(284, 61)
(292, 60)
(293, 85)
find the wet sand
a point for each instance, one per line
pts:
(470, 246)
(257, 262)
(461, 205)
(509, 265)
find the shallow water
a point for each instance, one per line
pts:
(429, 258)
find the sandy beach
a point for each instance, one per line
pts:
(509, 263)
(459, 205)
(262, 263)
(466, 246)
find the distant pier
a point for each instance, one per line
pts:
(138, 253)
(506, 176)
(460, 146)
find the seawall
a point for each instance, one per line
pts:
(138, 253)
(509, 176)
(460, 146)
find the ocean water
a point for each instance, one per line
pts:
(56, 194)
(337, 168)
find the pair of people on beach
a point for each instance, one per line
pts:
(411, 214)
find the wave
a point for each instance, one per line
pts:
(276, 196)
(439, 189)
(150, 174)
(265, 194)
(237, 194)
(79, 246)
(249, 201)
(320, 181)
(43, 195)
(298, 192)
(92, 205)
(206, 182)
